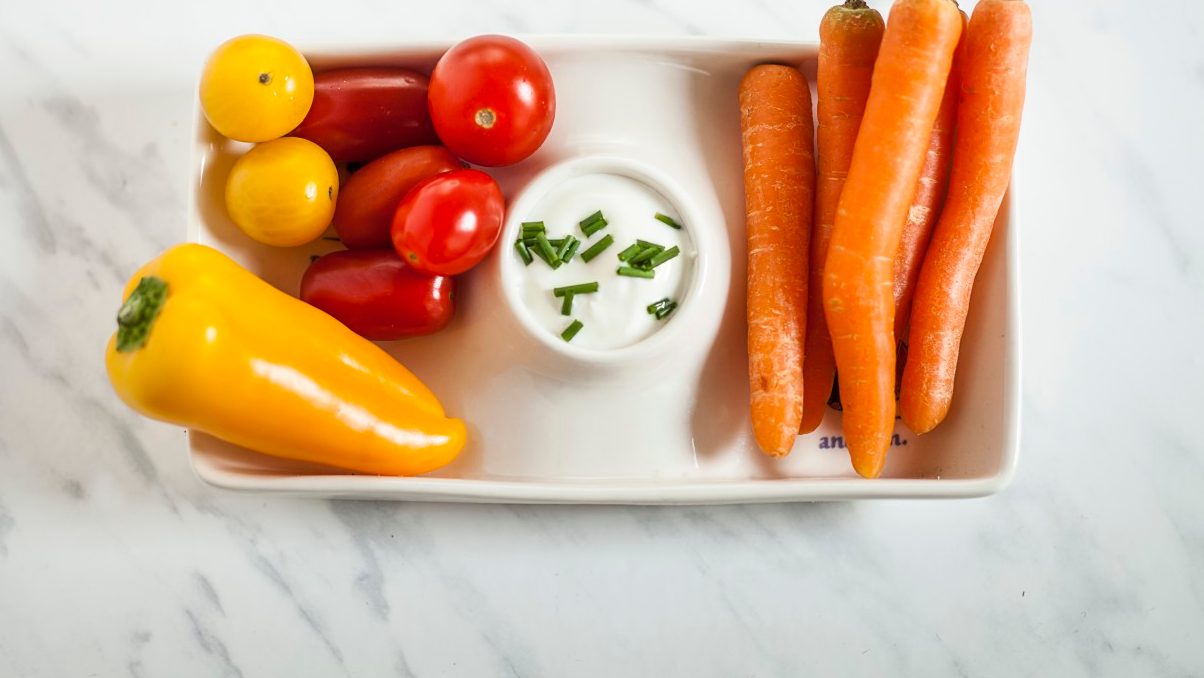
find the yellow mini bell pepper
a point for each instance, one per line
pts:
(203, 343)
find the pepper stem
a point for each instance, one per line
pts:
(137, 315)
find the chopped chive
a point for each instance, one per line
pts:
(545, 249)
(667, 220)
(593, 223)
(592, 228)
(563, 248)
(523, 252)
(635, 272)
(645, 254)
(557, 243)
(596, 216)
(539, 253)
(662, 257)
(664, 311)
(533, 226)
(645, 243)
(581, 288)
(656, 305)
(597, 248)
(568, 256)
(572, 330)
(566, 306)
(630, 252)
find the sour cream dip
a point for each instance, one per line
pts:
(616, 315)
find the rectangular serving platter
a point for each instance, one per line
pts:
(678, 433)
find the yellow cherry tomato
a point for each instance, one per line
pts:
(283, 192)
(256, 88)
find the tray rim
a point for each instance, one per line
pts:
(627, 492)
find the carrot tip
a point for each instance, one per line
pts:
(868, 466)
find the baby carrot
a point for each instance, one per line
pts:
(909, 78)
(849, 37)
(779, 187)
(988, 127)
(930, 191)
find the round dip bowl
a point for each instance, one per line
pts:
(702, 296)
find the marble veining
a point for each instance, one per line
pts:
(116, 561)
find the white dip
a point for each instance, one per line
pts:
(616, 315)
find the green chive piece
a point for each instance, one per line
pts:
(664, 312)
(590, 229)
(572, 330)
(656, 305)
(593, 223)
(667, 220)
(533, 226)
(662, 257)
(533, 248)
(549, 255)
(523, 252)
(566, 306)
(645, 243)
(563, 247)
(568, 256)
(645, 254)
(630, 252)
(597, 248)
(581, 288)
(635, 272)
(596, 216)
(557, 243)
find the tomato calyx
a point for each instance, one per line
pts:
(265, 78)
(485, 118)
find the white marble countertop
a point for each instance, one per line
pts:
(116, 561)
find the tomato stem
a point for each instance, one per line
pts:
(486, 118)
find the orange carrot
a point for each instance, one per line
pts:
(930, 191)
(849, 37)
(779, 187)
(909, 78)
(988, 127)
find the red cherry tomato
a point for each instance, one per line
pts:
(448, 223)
(492, 100)
(364, 213)
(361, 113)
(375, 294)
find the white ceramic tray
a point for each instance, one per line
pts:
(668, 424)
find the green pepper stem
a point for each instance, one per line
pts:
(137, 315)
